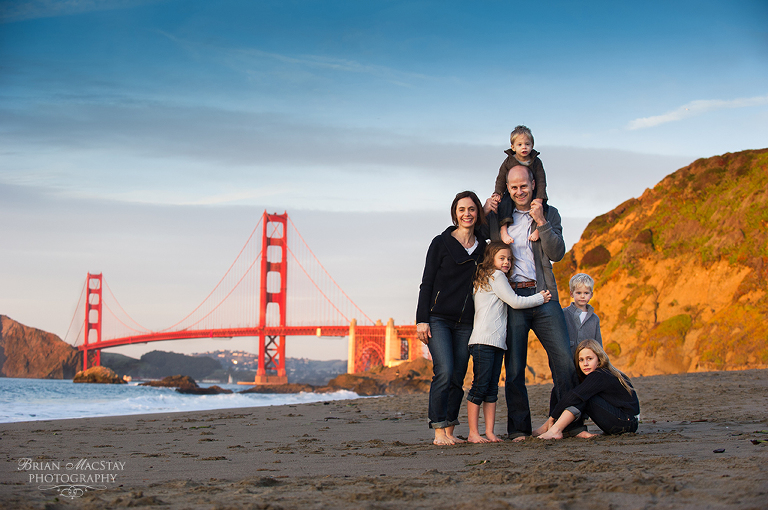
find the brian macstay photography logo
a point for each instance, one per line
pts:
(71, 479)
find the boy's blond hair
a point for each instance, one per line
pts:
(520, 130)
(581, 279)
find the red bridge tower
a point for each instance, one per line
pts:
(274, 281)
(92, 317)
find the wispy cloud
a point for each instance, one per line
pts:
(696, 108)
(246, 59)
(12, 10)
(334, 64)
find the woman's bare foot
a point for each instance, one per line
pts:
(552, 433)
(477, 438)
(585, 434)
(492, 438)
(442, 438)
(449, 433)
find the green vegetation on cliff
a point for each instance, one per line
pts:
(681, 271)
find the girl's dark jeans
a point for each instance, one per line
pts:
(608, 417)
(486, 367)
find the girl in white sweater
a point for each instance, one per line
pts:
(488, 342)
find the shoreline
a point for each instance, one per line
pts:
(377, 453)
(37, 400)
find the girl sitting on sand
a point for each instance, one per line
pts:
(605, 394)
(489, 336)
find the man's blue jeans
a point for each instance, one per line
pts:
(548, 323)
(450, 356)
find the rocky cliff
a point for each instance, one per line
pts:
(30, 352)
(680, 272)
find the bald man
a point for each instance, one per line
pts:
(532, 273)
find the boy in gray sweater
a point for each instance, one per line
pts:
(580, 317)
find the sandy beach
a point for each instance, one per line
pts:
(700, 445)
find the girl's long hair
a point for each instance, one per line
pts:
(486, 268)
(602, 362)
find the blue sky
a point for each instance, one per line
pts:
(364, 113)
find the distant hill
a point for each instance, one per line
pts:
(312, 371)
(243, 365)
(30, 352)
(159, 364)
(681, 271)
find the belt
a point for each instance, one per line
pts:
(523, 285)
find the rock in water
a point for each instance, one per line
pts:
(196, 390)
(173, 381)
(280, 388)
(101, 375)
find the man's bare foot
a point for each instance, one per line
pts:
(545, 427)
(518, 439)
(477, 438)
(492, 438)
(585, 434)
(456, 440)
(442, 438)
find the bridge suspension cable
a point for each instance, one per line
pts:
(315, 298)
(326, 273)
(142, 330)
(254, 303)
(75, 315)
(229, 270)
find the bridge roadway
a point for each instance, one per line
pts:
(236, 332)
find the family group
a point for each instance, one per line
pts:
(487, 283)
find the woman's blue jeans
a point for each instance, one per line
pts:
(450, 356)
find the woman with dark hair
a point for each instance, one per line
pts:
(446, 310)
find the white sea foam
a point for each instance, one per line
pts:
(46, 399)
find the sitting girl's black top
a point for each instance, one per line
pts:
(604, 384)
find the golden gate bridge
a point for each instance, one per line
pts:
(275, 288)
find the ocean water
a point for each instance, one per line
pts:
(56, 399)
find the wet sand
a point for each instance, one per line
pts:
(695, 449)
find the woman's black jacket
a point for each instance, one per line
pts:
(446, 286)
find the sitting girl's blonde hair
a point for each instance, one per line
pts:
(486, 268)
(602, 361)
